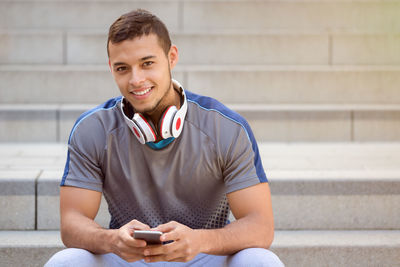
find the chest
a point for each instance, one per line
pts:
(186, 169)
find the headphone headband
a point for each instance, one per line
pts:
(170, 125)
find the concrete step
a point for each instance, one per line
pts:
(295, 248)
(80, 14)
(207, 16)
(289, 84)
(28, 248)
(279, 47)
(314, 186)
(336, 199)
(338, 248)
(290, 123)
(299, 15)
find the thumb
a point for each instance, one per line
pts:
(167, 227)
(137, 225)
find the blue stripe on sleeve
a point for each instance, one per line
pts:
(111, 103)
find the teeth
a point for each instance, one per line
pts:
(142, 92)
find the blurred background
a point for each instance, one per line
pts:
(299, 70)
(318, 81)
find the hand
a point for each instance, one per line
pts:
(185, 245)
(125, 245)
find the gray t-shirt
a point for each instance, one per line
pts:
(184, 179)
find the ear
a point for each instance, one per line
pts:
(109, 64)
(173, 56)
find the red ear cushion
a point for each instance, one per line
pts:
(178, 124)
(179, 118)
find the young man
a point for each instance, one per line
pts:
(166, 160)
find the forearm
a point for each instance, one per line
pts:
(247, 232)
(79, 231)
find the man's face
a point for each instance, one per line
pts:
(142, 71)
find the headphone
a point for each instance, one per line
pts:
(170, 125)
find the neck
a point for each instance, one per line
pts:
(172, 98)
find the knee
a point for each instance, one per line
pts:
(71, 257)
(255, 257)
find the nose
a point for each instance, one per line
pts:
(137, 77)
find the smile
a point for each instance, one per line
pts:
(139, 93)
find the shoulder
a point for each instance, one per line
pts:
(97, 121)
(211, 114)
(231, 133)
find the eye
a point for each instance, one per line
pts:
(148, 63)
(120, 69)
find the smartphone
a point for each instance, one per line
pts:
(151, 237)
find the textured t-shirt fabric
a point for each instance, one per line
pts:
(186, 181)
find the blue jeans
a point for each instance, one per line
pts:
(251, 257)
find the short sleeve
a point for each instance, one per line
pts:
(243, 166)
(85, 153)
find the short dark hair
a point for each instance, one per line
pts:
(137, 23)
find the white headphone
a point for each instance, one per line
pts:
(170, 125)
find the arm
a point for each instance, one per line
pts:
(254, 227)
(78, 208)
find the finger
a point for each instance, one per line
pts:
(170, 236)
(128, 234)
(128, 240)
(179, 260)
(170, 230)
(130, 257)
(167, 227)
(170, 257)
(155, 250)
(154, 259)
(159, 258)
(134, 243)
(135, 224)
(180, 254)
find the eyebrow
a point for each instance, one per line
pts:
(116, 64)
(142, 59)
(147, 57)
